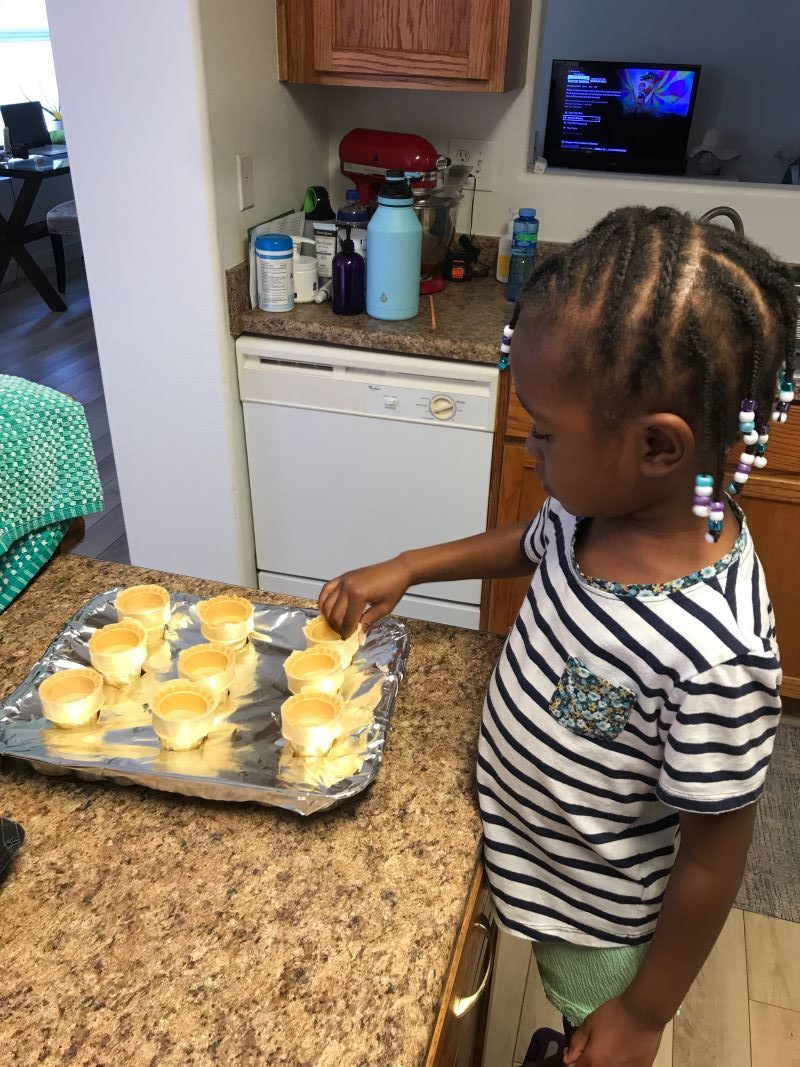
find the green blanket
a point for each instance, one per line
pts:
(48, 477)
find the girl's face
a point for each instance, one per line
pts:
(590, 469)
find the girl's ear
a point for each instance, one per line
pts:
(666, 443)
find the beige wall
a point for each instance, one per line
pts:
(567, 204)
(250, 112)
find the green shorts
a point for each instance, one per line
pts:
(577, 980)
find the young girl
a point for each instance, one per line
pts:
(629, 723)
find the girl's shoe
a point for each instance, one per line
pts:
(546, 1048)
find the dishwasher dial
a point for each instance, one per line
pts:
(442, 407)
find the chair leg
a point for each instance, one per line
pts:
(61, 266)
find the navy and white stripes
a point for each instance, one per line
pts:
(580, 829)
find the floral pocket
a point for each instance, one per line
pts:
(589, 705)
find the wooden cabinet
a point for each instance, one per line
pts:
(471, 45)
(771, 502)
(515, 496)
(458, 1035)
(521, 496)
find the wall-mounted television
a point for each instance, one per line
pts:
(632, 117)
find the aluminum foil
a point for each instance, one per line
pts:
(245, 757)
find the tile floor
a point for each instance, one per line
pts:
(743, 1010)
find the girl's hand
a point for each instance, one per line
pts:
(364, 596)
(613, 1037)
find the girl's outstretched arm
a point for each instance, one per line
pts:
(363, 596)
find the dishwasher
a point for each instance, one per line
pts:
(355, 456)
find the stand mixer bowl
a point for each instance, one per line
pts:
(437, 211)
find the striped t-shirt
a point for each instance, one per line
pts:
(611, 710)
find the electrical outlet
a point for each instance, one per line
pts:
(478, 156)
(244, 168)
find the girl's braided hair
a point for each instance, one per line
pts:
(664, 312)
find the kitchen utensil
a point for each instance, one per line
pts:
(242, 759)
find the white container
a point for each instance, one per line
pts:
(325, 236)
(274, 270)
(306, 274)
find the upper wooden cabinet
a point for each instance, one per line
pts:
(412, 44)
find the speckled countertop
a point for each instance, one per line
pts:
(469, 319)
(150, 929)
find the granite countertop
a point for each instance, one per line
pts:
(148, 928)
(469, 319)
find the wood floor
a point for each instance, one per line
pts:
(59, 350)
(743, 1010)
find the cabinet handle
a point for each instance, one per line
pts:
(462, 1005)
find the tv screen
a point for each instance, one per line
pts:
(632, 117)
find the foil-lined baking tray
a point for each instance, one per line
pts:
(245, 757)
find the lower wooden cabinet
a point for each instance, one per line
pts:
(771, 504)
(458, 1035)
(521, 496)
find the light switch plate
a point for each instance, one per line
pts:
(244, 168)
(478, 156)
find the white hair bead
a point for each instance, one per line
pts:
(701, 511)
(505, 348)
(740, 477)
(782, 416)
(747, 458)
(747, 416)
(750, 437)
(760, 462)
(775, 416)
(786, 395)
(704, 490)
(763, 438)
(710, 538)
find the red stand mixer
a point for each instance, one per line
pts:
(366, 155)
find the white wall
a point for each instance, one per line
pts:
(133, 92)
(284, 128)
(751, 74)
(567, 204)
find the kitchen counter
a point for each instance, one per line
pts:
(148, 928)
(469, 320)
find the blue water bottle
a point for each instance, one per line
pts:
(394, 236)
(523, 251)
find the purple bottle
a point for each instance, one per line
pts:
(348, 280)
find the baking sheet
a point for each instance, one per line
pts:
(245, 757)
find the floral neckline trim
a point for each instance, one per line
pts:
(665, 588)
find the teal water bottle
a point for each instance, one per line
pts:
(394, 238)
